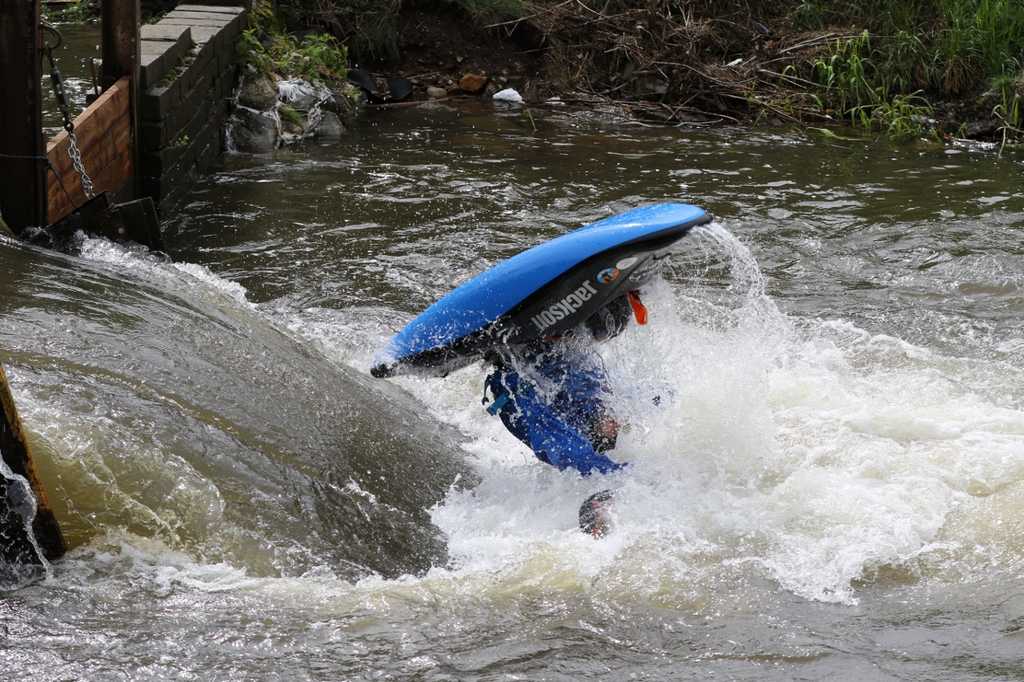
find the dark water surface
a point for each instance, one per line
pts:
(833, 488)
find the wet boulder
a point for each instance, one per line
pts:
(253, 132)
(257, 92)
(330, 127)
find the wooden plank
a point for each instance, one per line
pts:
(18, 457)
(91, 125)
(23, 189)
(104, 133)
(113, 104)
(93, 147)
(96, 155)
(111, 176)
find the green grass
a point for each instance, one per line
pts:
(912, 51)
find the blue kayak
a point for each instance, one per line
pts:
(541, 292)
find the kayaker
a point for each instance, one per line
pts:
(552, 394)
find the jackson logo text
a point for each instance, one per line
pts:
(565, 307)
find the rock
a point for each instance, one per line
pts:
(345, 102)
(331, 128)
(434, 92)
(473, 83)
(257, 92)
(301, 95)
(982, 129)
(252, 132)
(292, 130)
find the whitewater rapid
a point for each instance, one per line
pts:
(807, 452)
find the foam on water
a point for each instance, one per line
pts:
(809, 452)
(142, 263)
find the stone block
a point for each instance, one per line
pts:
(158, 102)
(152, 66)
(203, 54)
(199, 119)
(227, 49)
(198, 63)
(163, 33)
(209, 157)
(206, 147)
(234, 4)
(219, 9)
(199, 93)
(158, 57)
(228, 80)
(160, 162)
(153, 136)
(193, 23)
(203, 34)
(220, 18)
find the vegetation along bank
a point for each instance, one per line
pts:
(907, 68)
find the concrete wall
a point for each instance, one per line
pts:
(188, 74)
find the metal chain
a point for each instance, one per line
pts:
(62, 103)
(76, 160)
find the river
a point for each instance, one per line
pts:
(832, 486)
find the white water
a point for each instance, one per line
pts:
(789, 459)
(28, 516)
(809, 452)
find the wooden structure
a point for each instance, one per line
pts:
(106, 130)
(106, 133)
(23, 203)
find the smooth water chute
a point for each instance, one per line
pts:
(184, 415)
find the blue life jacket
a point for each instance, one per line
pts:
(556, 411)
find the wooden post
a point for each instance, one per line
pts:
(22, 154)
(120, 51)
(120, 23)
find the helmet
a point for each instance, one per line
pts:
(594, 514)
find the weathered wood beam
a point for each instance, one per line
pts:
(23, 188)
(121, 58)
(17, 457)
(120, 51)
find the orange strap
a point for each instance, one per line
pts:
(639, 311)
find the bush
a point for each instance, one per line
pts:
(314, 56)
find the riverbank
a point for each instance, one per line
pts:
(947, 68)
(937, 69)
